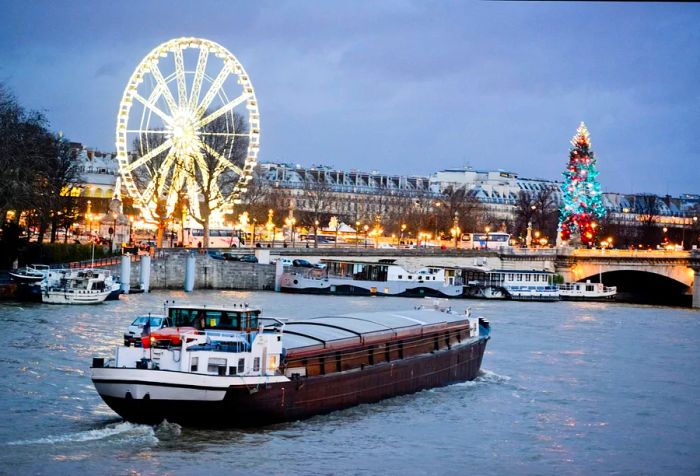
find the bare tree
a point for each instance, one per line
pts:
(216, 169)
(319, 200)
(648, 207)
(154, 178)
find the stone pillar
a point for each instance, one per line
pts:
(279, 269)
(125, 273)
(145, 277)
(190, 271)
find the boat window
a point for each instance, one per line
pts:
(182, 317)
(256, 364)
(400, 276)
(241, 366)
(213, 318)
(214, 364)
(194, 364)
(232, 370)
(229, 320)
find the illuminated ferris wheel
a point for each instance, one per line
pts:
(188, 130)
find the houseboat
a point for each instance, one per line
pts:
(230, 367)
(587, 291)
(382, 278)
(516, 284)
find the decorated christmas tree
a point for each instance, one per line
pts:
(582, 206)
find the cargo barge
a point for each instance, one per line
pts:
(232, 368)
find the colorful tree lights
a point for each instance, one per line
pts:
(582, 205)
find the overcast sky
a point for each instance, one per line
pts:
(399, 87)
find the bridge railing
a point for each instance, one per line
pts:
(631, 253)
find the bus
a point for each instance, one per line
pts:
(486, 241)
(218, 237)
(323, 239)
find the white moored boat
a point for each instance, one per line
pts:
(587, 291)
(76, 286)
(383, 278)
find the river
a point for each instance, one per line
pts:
(566, 388)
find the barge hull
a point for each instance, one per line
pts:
(304, 397)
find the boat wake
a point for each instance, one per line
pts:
(485, 377)
(116, 432)
(166, 431)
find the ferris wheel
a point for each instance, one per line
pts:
(188, 130)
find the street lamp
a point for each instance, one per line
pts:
(113, 230)
(487, 230)
(357, 230)
(366, 228)
(403, 228)
(252, 239)
(455, 229)
(316, 233)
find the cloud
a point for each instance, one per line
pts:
(110, 69)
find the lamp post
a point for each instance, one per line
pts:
(403, 228)
(455, 229)
(357, 231)
(294, 222)
(113, 230)
(487, 230)
(366, 228)
(315, 233)
(269, 226)
(252, 237)
(88, 217)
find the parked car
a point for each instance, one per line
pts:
(248, 259)
(286, 261)
(302, 263)
(230, 256)
(135, 330)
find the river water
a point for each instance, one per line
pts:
(567, 388)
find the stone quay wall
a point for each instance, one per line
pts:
(168, 272)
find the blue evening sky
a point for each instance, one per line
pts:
(400, 87)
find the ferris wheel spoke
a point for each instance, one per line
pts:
(175, 186)
(222, 110)
(150, 155)
(147, 131)
(149, 104)
(223, 161)
(157, 186)
(213, 89)
(198, 77)
(167, 94)
(224, 134)
(181, 82)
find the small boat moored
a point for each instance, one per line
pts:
(76, 286)
(587, 291)
(230, 367)
(30, 274)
